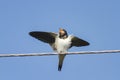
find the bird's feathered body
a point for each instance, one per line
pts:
(60, 42)
(62, 46)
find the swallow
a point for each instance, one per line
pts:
(60, 42)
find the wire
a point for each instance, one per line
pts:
(68, 53)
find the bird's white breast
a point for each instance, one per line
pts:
(62, 45)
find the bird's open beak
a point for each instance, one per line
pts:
(61, 31)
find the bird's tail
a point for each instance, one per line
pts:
(61, 59)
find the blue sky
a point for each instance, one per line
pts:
(96, 21)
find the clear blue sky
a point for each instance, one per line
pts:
(97, 21)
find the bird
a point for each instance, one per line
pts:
(60, 42)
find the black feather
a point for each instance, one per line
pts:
(47, 37)
(59, 67)
(79, 42)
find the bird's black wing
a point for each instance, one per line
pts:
(78, 42)
(47, 37)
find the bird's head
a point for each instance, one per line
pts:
(62, 33)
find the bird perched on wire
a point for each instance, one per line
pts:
(60, 42)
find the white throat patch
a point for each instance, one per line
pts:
(62, 45)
